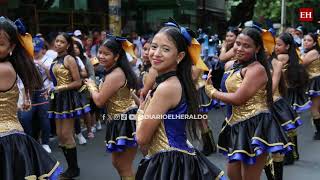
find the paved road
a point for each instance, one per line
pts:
(96, 164)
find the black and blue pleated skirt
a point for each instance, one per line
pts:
(68, 104)
(299, 101)
(176, 165)
(246, 140)
(285, 115)
(24, 158)
(121, 132)
(314, 87)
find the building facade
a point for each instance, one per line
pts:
(142, 16)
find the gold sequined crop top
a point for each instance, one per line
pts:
(8, 110)
(121, 101)
(61, 73)
(314, 68)
(252, 107)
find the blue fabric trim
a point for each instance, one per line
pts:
(55, 175)
(289, 127)
(260, 148)
(121, 145)
(53, 77)
(175, 128)
(300, 109)
(76, 113)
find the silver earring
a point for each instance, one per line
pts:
(10, 54)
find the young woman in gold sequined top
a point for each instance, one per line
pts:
(21, 156)
(311, 60)
(250, 132)
(66, 102)
(115, 96)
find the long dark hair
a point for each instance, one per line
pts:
(296, 75)
(116, 48)
(315, 39)
(81, 49)
(184, 71)
(235, 31)
(255, 35)
(20, 60)
(69, 39)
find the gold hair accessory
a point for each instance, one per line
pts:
(194, 50)
(127, 46)
(268, 41)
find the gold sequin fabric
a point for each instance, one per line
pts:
(252, 107)
(314, 68)
(159, 141)
(120, 102)
(61, 73)
(8, 110)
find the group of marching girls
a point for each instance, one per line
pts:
(265, 84)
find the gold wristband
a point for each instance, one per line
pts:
(210, 90)
(92, 88)
(61, 88)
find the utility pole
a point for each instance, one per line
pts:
(283, 15)
(115, 17)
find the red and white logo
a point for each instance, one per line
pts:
(306, 14)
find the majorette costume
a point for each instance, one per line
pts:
(250, 129)
(314, 89)
(67, 103)
(121, 124)
(21, 156)
(170, 155)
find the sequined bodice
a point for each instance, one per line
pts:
(314, 68)
(252, 107)
(61, 73)
(8, 110)
(171, 134)
(120, 102)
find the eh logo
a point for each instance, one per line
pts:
(306, 14)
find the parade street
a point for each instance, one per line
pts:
(96, 164)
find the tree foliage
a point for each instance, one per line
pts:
(271, 9)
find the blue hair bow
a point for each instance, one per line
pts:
(117, 38)
(20, 27)
(183, 31)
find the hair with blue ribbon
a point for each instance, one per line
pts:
(194, 47)
(24, 38)
(127, 46)
(184, 31)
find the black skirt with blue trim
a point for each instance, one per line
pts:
(24, 158)
(314, 87)
(68, 104)
(299, 101)
(121, 132)
(246, 140)
(176, 165)
(285, 115)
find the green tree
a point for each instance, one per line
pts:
(271, 9)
